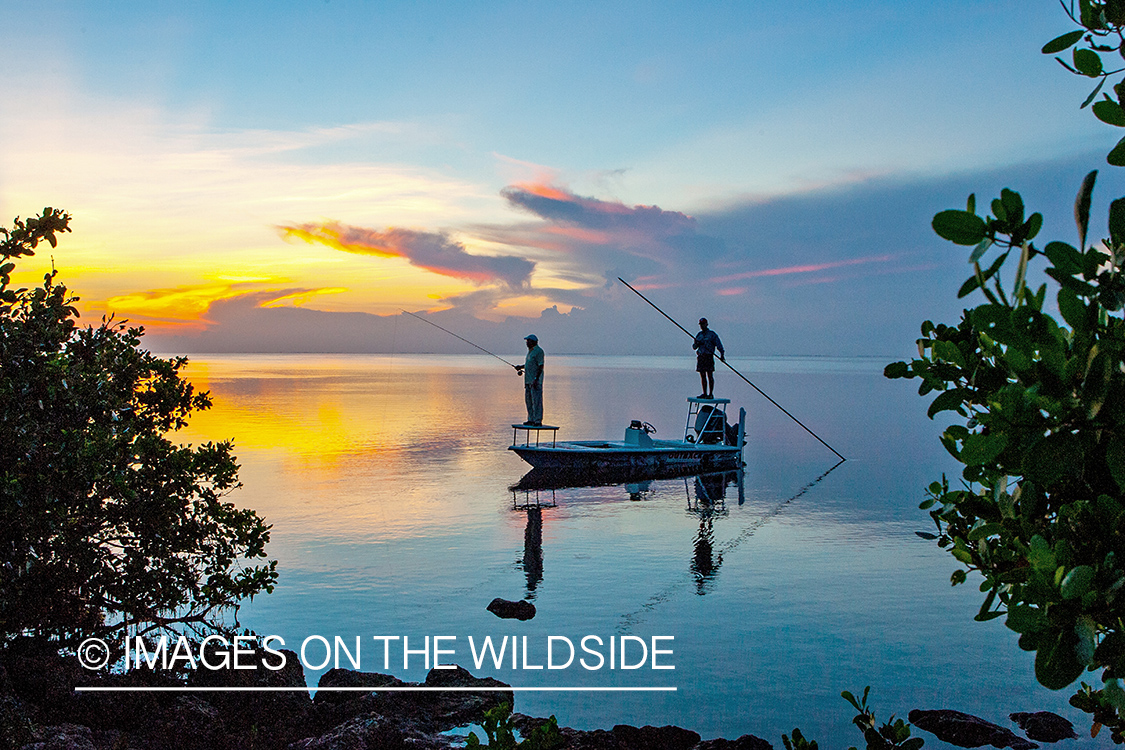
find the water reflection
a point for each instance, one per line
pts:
(709, 493)
(387, 482)
(533, 549)
(705, 494)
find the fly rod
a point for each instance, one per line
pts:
(731, 367)
(470, 343)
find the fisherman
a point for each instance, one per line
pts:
(532, 371)
(706, 342)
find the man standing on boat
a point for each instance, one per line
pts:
(532, 370)
(706, 342)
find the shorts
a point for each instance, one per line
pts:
(704, 362)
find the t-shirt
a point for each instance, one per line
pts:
(533, 365)
(706, 342)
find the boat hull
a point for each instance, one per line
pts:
(606, 457)
(557, 479)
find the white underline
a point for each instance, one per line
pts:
(405, 689)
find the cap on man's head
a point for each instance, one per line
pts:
(532, 338)
(703, 321)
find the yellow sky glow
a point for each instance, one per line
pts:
(170, 216)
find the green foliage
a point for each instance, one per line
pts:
(104, 522)
(501, 732)
(1040, 430)
(1101, 24)
(798, 741)
(892, 735)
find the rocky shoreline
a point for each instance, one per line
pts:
(41, 710)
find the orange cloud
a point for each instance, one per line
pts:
(185, 308)
(432, 251)
(544, 191)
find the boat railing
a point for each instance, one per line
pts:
(537, 429)
(706, 420)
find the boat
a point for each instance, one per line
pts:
(709, 444)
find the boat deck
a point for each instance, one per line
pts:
(621, 445)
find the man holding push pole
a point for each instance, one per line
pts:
(706, 342)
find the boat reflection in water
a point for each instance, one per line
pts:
(539, 491)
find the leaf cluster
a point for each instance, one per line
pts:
(1040, 512)
(105, 523)
(500, 730)
(891, 735)
(798, 741)
(1097, 52)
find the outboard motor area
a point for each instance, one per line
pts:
(710, 425)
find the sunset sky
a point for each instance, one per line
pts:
(287, 176)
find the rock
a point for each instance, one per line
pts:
(448, 710)
(125, 711)
(43, 680)
(966, 730)
(667, 737)
(63, 737)
(274, 718)
(624, 737)
(15, 727)
(504, 609)
(598, 739)
(370, 733)
(186, 722)
(1044, 726)
(745, 742)
(347, 678)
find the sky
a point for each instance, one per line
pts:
(291, 176)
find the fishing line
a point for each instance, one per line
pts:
(390, 370)
(470, 343)
(634, 618)
(736, 372)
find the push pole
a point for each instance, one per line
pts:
(736, 372)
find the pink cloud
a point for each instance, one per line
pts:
(807, 268)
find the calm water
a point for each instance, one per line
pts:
(387, 483)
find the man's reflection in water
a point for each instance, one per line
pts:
(532, 561)
(704, 565)
(710, 493)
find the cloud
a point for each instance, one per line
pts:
(187, 307)
(583, 241)
(806, 268)
(432, 251)
(833, 272)
(562, 207)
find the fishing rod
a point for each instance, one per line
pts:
(470, 343)
(736, 372)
